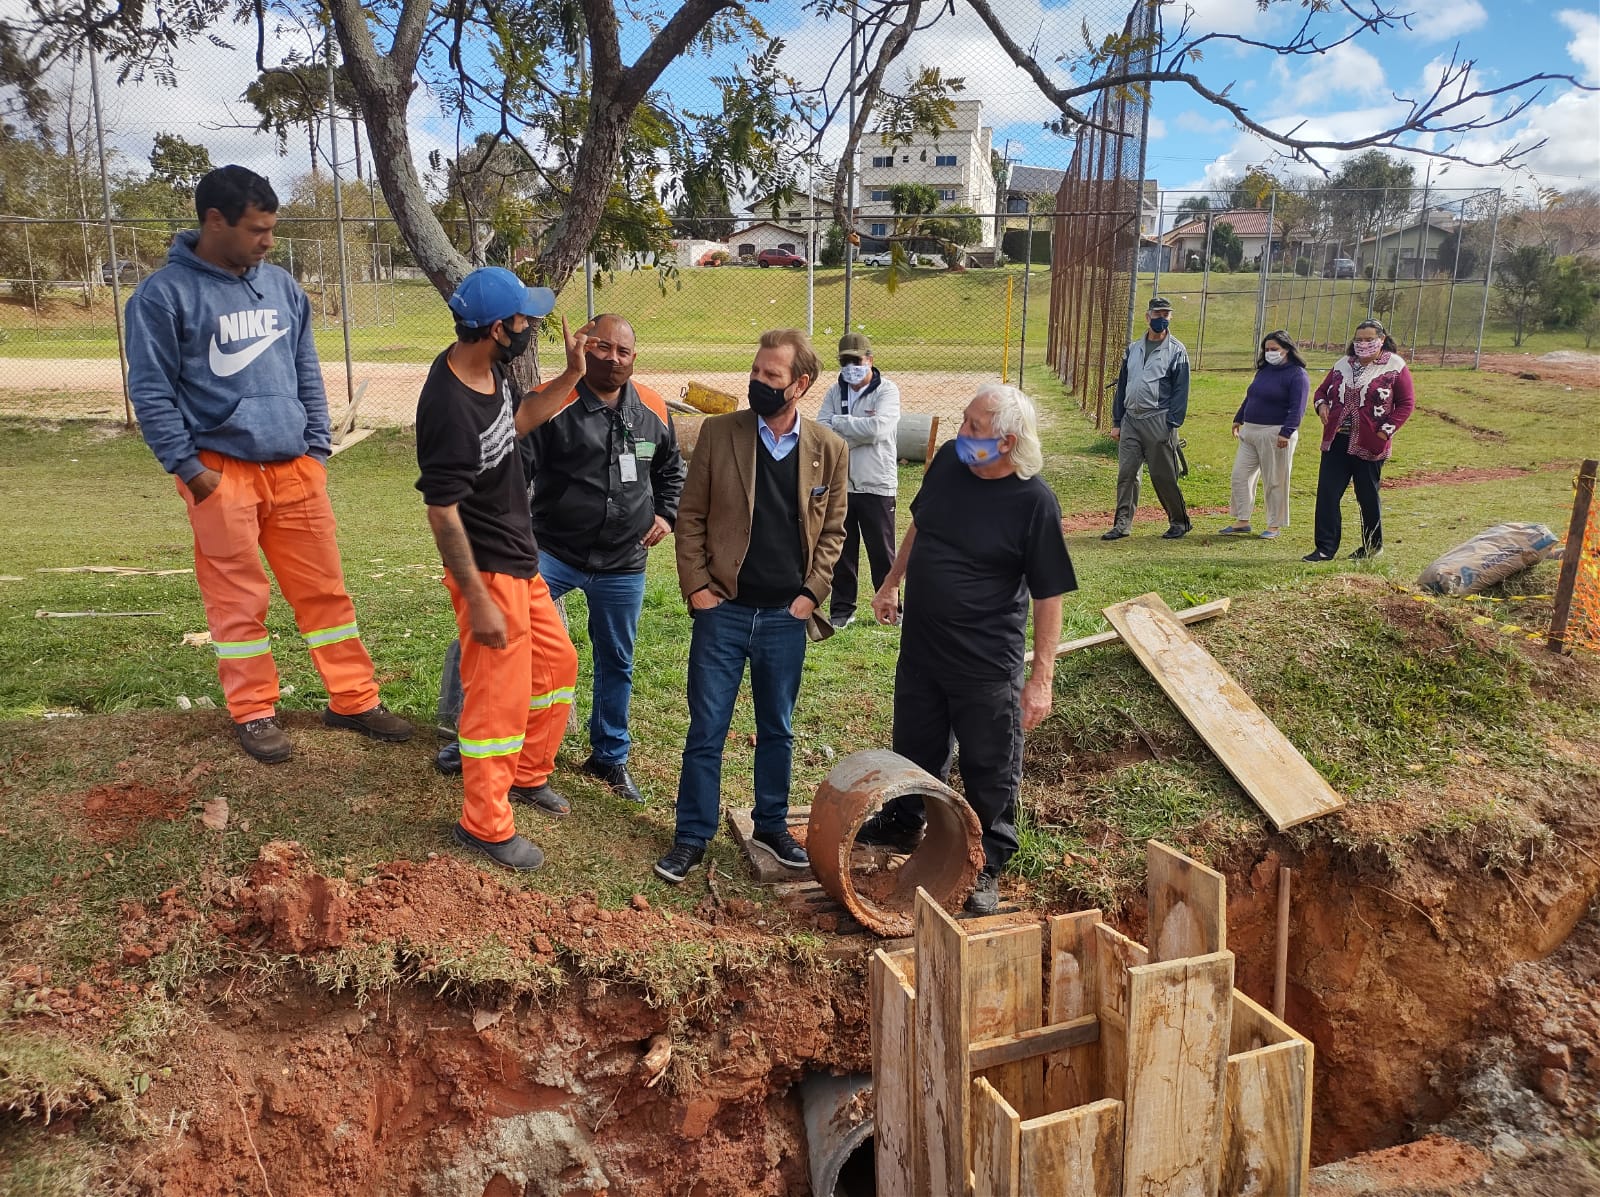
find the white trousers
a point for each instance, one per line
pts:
(1260, 457)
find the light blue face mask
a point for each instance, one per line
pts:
(978, 450)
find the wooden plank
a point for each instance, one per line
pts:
(1072, 1077)
(741, 825)
(1254, 1026)
(1188, 905)
(1188, 616)
(1005, 993)
(1115, 954)
(1266, 1137)
(996, 1145)
(894, 1091)
(354, 437)
(1249, 745)
(942, 1075)
(1178, 1023)
(988, 1054)
(1074, 1153)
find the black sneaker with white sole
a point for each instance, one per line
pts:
(887, 829)
(679, 861)
(782, 847)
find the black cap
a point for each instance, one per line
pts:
(1159, 301)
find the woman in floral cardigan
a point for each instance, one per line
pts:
(1363, 401)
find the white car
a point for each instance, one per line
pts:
(877, 259)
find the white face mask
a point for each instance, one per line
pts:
(856, 373)
(1274, 357)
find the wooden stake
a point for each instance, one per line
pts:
(1189, 615)
(1280, 976)
(933, 443)
(1572, 556)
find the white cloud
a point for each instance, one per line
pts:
(1191, 121)
(1158, 128)
(1441, 22)
(1585, 44)
(1346, 69)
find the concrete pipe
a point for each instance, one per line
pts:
(911, 437)
(839, 1134)
(945, 863)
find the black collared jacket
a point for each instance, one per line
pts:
(584, 513)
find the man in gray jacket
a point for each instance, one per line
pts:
(1151, 402)
(863, 407)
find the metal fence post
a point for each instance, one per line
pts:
(1488, 281)
(1266, 269)
(1422, 257)
(1455, 270)
(1205, 290)
(338, 228)
(1161, 223)
(1027, 268)
(33, 282)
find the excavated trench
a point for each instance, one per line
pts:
(1395, 973)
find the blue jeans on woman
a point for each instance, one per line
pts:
(723, 639)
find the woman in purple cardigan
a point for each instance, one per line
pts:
(1267, 427)
(1363, 401)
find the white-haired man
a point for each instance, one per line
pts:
(985, 535)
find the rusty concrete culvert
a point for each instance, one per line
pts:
(945, 863)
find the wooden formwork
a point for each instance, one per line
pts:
(1136, 1071)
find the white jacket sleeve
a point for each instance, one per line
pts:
(869, 429)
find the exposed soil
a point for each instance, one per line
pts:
(115, 812)
(1563, 365)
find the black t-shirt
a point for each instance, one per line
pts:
(983, 546)
(467, 452)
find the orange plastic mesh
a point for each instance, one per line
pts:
(1583, 624)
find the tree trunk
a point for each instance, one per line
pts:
(569, 237)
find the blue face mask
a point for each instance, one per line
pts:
(978, 450)
(1159, 324)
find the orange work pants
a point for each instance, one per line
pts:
(515, 700)
(279, 508)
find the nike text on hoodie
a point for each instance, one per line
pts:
(225, 362)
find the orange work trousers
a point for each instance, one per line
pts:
(281, 509)
(515, 700)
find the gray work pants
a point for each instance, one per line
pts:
(1151, 442)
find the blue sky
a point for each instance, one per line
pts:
(1192, 145)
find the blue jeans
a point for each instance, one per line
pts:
(615, 601)
(723, 639)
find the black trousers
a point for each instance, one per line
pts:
(870, 521)
(1336, 472)
(983, 719)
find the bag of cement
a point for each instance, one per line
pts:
(1489, 558)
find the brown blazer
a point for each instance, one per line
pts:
(713, 528)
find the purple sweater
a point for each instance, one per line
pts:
(1277, 395)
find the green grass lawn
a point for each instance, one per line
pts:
(932, 320)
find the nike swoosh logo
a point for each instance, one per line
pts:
(223, 365)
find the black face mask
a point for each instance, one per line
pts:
(518, 346)
(604, 375)
(765, 399)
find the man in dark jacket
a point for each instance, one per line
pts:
(606, 475)
(1152, 399)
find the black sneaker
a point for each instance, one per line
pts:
(378, 723)
(615, 776)
(782, 847)
(985, 897)
(841, 622)
(265, 740)
(1114, 534)
(886, 829)
(1176, 532)
(1366, 554)
(544, 797)
(516, 853)
(1317, 555)
(677, 864)
(448, 759)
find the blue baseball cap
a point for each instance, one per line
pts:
(493, 293)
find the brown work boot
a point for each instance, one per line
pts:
(380, 723)
(264, 740)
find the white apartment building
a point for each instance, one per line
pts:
(955, 164)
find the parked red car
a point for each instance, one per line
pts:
(779, 257)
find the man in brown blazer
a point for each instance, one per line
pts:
(760, 526)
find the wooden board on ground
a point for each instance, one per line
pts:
(1188, 905)
(1073, 1153)
(1189, 615)
(943, 1079)
(762, 863)
(895, 1152)
(1179, 1014)
(1249, 745)
(1005, 994)
(354, 437)
(1072, 1077)
(996, 1145)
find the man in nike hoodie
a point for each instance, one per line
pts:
(223, 374)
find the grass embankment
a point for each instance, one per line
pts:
(1430, 725)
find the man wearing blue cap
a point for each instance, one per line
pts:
(518, 667)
